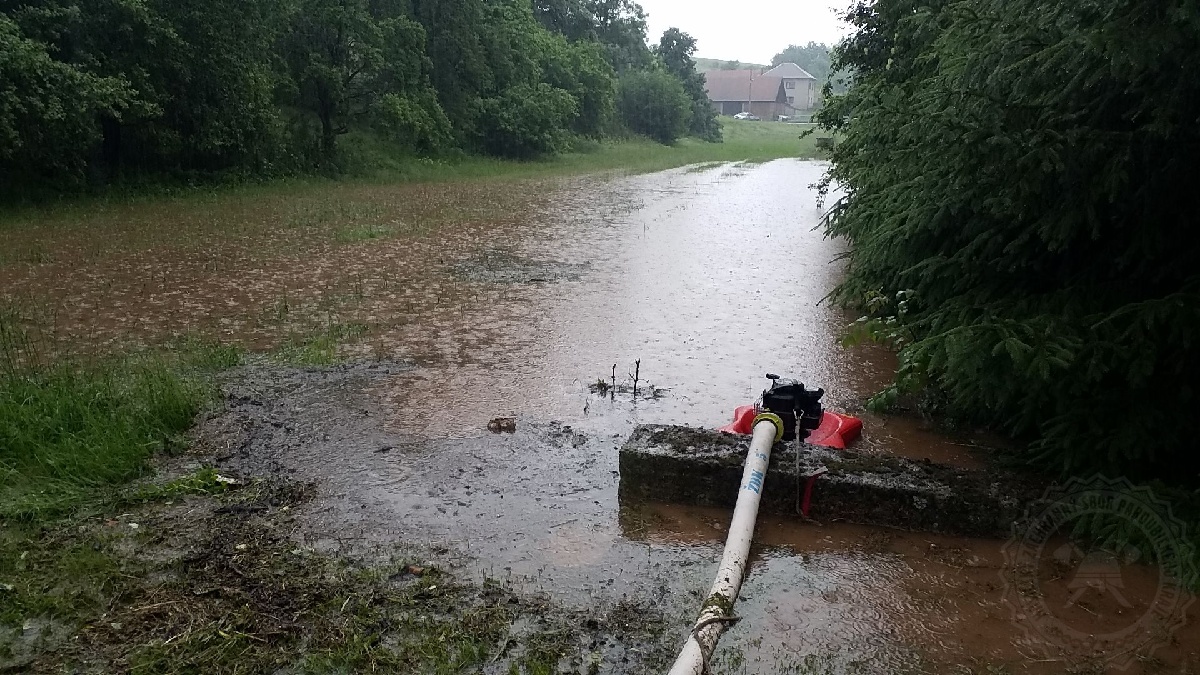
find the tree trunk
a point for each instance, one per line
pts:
(328, 134)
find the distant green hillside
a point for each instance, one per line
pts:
(705, 65)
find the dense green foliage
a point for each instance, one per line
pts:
(655, 104)
(96, 91)
(347, 62)
(1018, 191)
(675, 50)
(814, 57)
(618, 25)
(581, 70)
(527, 120)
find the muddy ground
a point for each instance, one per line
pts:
(448, 306)
(229, 585)
(224, 562)
(340, 525)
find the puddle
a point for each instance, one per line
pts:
(508, 299)
(923, 602)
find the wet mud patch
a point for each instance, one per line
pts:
(513, 504)
(271, 601)
(229, 583)
(272, 410)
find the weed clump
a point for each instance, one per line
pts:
(70, 424)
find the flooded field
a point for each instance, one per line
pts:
(464, 302)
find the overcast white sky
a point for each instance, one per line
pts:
(747, 31)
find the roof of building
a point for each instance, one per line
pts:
(789, 71)
(741, 85)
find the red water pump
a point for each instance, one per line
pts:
(802, 415)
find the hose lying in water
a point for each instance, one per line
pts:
(716, 614)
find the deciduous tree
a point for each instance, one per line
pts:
(654, 103)
(675, 49)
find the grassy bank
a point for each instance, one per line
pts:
(743, 141)
(73, 428)
(376, 162)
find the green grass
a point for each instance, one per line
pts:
(65, 430)
(379, 162)
(743, 141)
(355, 234)
(71, 426)
(319, 348)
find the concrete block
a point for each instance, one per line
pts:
(688, 465)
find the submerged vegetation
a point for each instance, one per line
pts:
(1017, 194)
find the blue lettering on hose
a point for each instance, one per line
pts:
(756, 482)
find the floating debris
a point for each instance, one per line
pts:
(502, 424)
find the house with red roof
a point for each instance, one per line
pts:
(786, 89)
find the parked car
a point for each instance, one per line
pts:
(747, 116)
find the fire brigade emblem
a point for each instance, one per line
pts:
(1098, 570)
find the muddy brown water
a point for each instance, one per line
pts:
(509, 299)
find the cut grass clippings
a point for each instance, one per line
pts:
(219, 583)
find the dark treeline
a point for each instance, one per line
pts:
(1021, 197)
(93, 91)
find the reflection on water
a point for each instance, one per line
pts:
(510, 298)
(885, 601)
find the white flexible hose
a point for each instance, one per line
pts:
(717, 612)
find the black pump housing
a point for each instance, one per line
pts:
(799, 408)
